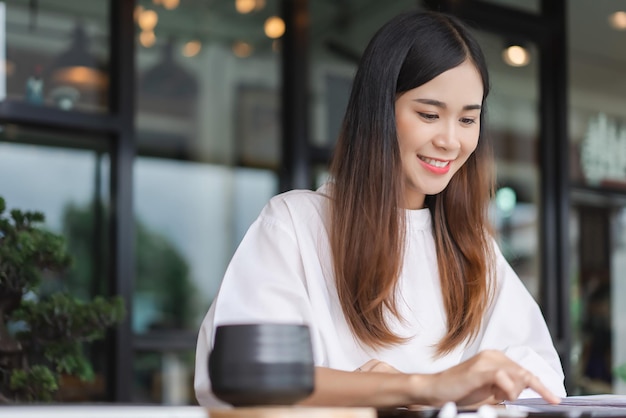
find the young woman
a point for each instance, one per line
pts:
(392, 264)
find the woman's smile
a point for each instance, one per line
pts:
(436, 166)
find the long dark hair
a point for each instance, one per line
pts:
(368, 225)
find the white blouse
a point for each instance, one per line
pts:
(282, 272)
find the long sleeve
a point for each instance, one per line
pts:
(516, 326)
(264, 282)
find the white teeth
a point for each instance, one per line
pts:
(435, 163)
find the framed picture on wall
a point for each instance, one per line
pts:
(257, 130)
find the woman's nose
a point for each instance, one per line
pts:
(447, 138)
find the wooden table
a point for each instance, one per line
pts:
(158, 411)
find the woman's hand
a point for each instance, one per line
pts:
(488, 377)
(377, 366)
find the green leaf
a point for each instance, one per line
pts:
(38, 383)
(52, 330)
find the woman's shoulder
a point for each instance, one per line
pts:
(298, 203)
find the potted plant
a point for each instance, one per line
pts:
(42, 336)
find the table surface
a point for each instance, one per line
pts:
(158, 411)
(571, 407)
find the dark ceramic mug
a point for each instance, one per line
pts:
(262, 364)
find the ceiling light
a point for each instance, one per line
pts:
(276, 44)
(76, 66)
(245, 6)
(259, 5)
(516, 56)
(274, 27)
(9, 67)
(148, 20)
(138, 11)
(242, 49)
(170, 4)
(147, 38)
(617, 20)
(192, 48)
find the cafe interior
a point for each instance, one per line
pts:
(150, 133)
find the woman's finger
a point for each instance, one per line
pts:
(507, 386)
(536, 385)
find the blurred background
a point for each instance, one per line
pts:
(152, 132)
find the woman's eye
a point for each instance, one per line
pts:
(468, 121)
(428, 116)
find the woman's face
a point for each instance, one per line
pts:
(438, 124)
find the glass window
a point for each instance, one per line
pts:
(69, 184)
(190, 218)
(599, 259)
(617, 313)
(208, 138)
(208, 82)
(597, 135)
(597, 120)
(340, 32)
(71, 187)
(55, 53)
(513, 129)
(164, 377)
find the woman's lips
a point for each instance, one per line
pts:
(435, 166)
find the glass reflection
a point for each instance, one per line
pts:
(618, 299)
(208, 140)
(190, 219)
(56, 54)
(599, 150)
(599, 254)
(208, 83)
(597, 161)
(339, 34)
(513, 129)
(70, 187)
(164, 378)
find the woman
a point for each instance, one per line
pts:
(391, 263)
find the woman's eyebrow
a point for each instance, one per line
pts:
(442, 105)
